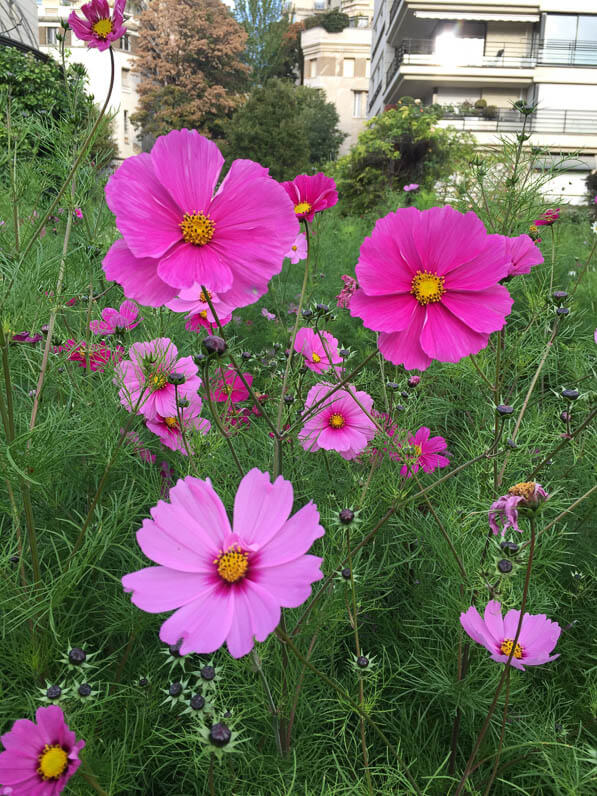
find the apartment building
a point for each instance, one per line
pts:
(475, 57)
(123, 101)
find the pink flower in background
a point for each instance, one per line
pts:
(145, 377)
(26, 337)
(548, 218)
(339, 424)
(299, 249)
(228, 583)
(428, 281)
(504, 511)
(134, 440)
(268, 315)
(179, 231)
(77, 212)
(116, 320)
(167, 476)
(522, 254)
(169, 431)
(39, 758)
(595, 200)
(99, 28)
(414, 381)
(538, 635)
(194, 302)
(94, 357)
(411, 186)
(347, 292)
(311, 194)
(423, 452)
(71, 302)
(309, 344)
(231, 387)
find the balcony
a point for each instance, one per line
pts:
(507, 120)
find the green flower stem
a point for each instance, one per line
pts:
(501, 741)
(88, 775)
(553, 257)
(496, 397)
(563, 514)
(183, 434)
(270, 700)
(218, 421)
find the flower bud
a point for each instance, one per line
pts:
(214, 344)
(362, 662)
(199, 359)
(208, 673)
(504, 566)
(504, 410)
(344, 352)
(511, 444)
(14, 559)
(174, 649)
(177, 379)
(559, 295)
(175, 689)
(413, 381)
(84, 690)
(219, 734)
(510, 547)
(77, 656)
(288, 399)
(246, 355)
(307, 313)
(346, 516)
(54, 692)
(565, 417)
(391, 385)
(346, 573)
(143, 682)
(197, 702)
(570, 395)
(322, 307)
(563, 311)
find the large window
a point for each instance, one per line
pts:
(359, 108)
(570, 39)
(348, 67)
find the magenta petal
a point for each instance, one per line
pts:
(391, 313)
(137, 276)
(203, 624)
(294, 538)
(158, 589)
(476, 629)
(178, 541)
(404, 348)
(446, 238)
(482, 271)
(256, 615)
(494, 621)
(260, 507)
(203, 511)
(483, 312)
(290, 584)
(446, 338)
(187, 264)
(388, 259)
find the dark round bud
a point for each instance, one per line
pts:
(219, 734)
(558, 727)
(288, 399)
(14, 559)
(174, 649)
(362, 662)
(183, 402)
(565, 417)
(511, 444)
(177, 379)
(143, 682)
(399, 408)
(346, 516)
(344, 352)
(208, 673)
(563, 311)
(504, 566)
(54, 692)
(559, 295)
(307, 313)
(214, 344)
(77, 656)
(509, 547)
(322, 307)
(504, 410)
(277, 346)
(570, 395)
(84, 690)
(199, 359)
(404, 394)
(197, 702)
(391, 385)
(346, 573)
(175, 689)
(228, 715)
(246, 355)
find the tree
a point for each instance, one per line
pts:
(290, 129)
(190, 61)
(266, 24)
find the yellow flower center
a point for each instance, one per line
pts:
(157, 381)
(102, 28)
(232, 565)
(337, 420)
(526, 490)
(316, 358)
(171, 422)
(417, 449)
(427, 288)
(302, 207)
(506, 648)
(53, 762)
(197, 229)
(203, 297)
(203, 314)
(294, 248)
(533, 228)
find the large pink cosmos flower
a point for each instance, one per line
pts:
(299, 249)
(428, 281)
(339, 424)
(193, 301)
(177, 232)
(39, 758)
(316, 356)
(504, 511)
(169, 431)
(145, 377)
(522, 253)
(423, 452)
(116, 320)
(311, 194)
(98, 28)
(538, 635)
(228, 584)
(231, 387)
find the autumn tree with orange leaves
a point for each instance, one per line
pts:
(191, 68)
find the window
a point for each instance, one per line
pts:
(126, 77)
(569, 39)
(312, 67)
(125, 124)
(125, 43)
(348, 67)
(359, 106)
(51, 35)
(319, 5)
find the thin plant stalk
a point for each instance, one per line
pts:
(496, 393)
(270, 700)
(501, 741)
(219, 424)
(563, 444)
(553, 257)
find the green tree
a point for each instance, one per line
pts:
(266, 25)
(290, 129)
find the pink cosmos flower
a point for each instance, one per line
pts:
(168, 428)
(231, 387)
(428, 281)
(194, 302)
(423, 452)
(77, 212)
(116, 320)
(538, 635)
(145, 376)
(299, 249)
(505, 509)
(548, 218)
(26, 337)
(595, 200)
(412, 186)
(178, 230)
(39, 758)
(134, 440)
(347, 292)
(267, 314)
(522, 253)
(340, 424)
(228, 583)
(99, 28)
(309, 344)
(95, 356)
(413, 381)
(311, 194)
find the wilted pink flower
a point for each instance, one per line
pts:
(237, 417)
(194, 302)
(309, 344)
(423, 452)
(94, 356)
(169, 431)
(522, 253)
(231, 387)
(538, 635)
(299, 249)
(39, 758)
(134, 440)
(347, 292)
(145, 378)
(311, 194)
(26, 337)
(99, 28)
(339, 424)
(505, 509)
(413, 381)
(228, 584)
(268, 315)
(548, 218)
(412, 186)
(116, 320)
(390, 429)
(428, 281)
(178, 233)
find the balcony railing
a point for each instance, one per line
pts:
(546, 120)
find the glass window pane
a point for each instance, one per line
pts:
(560, 26)
(587, 29)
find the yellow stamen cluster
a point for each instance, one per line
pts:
(157, 380)
(506, 648)
(232, 565)
(526, 490)
(427, 288)
(53, 762)
(197, 228)
(302, 207)
(316, 358)
(102, 28)
(171, 422)
(417, 450)
(203, 297)
(203, 314)
(337, 420)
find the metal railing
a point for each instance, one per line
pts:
(374, 96)
(394, 9)
(543, 120)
